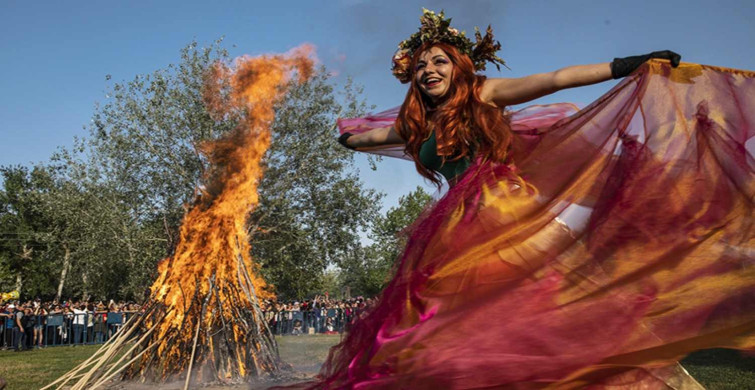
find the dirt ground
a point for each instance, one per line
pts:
(305, 354)
(288, 378)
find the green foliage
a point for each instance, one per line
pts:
(23, 224)
(118, 196)
(436, 28)
(97, 218)
(146, 138)
(367, 269)
(312, 204)
(55, 218)
(331, 284)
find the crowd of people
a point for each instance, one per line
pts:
(37, 324)
(321, 315)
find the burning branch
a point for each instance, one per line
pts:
(203, 319)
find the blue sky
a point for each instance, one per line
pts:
(54, 55)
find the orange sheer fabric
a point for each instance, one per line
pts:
(618, 240)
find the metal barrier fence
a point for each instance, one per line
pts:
(62, 329)
(97, 328)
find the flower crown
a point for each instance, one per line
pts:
(436, 28)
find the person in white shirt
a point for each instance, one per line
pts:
(80, 315)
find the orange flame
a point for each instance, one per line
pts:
(211, 279)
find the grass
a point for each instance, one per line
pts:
(722, 369)
(36, 368)
(306, 353)
(715, 369)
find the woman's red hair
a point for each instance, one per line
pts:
(464, 124)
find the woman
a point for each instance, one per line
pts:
(573, 249)
(40, 320)
(100, 322)
(445, 90)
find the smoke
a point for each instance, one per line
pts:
(372, 31)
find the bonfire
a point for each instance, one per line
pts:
(203, 320)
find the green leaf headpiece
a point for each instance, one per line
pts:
(436, 28)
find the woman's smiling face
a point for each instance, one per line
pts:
(434, 73)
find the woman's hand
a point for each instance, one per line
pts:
(622, 67)
(344, 140)
(375, 137)
(504, 92)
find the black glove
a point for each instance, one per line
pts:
(622, 67)
(342, 140)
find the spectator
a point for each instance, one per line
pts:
(48, 323)
(297, 328)
(19, 337)
(329, 327)
(79, 322)
(39, 316)
(28, 322)
(90, 324)
(6, 324)
(54, 317)
(319, 315)
(100, 323)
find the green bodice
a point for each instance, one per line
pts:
(428, 156)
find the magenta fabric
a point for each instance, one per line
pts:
(619, 240)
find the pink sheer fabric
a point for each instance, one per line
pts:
(373, 121)
(524, 122)
(620, 240)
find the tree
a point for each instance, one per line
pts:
(106, 252)
(57, 223)
(367, 270)
(146, 139)
(109, 209)
(22, 228)
(312, 203)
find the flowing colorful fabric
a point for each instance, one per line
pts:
(619, 240)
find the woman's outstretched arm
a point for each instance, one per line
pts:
(504, 92)
(375, 137)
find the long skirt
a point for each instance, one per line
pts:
(617, 240)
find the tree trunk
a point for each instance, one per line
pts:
(19, 281)
(85, 286)
(64, 272)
